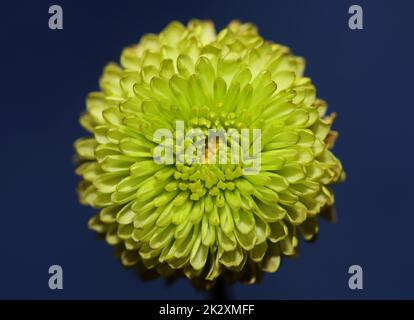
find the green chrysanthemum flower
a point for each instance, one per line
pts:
(204, 220)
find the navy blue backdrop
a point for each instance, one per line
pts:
(366, 77)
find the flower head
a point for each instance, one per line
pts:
(202, 219)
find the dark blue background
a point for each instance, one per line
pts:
(366, 76)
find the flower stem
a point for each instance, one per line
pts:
(220, 290)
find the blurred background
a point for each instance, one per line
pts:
(365, 76)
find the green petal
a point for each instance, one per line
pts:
(258, 252)
(108, 214)
(278, 231)
(107, 182)
(271, 260)
(162, 237)
(85, 148)
(199, 255)
(125, 215)
(129, 258)
(232, 258)
(296, 214)
(208, 233)
(226, 219)
(244, 221)
(309, 228)
(226, 241)
(246, 240)
(283, 80)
